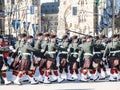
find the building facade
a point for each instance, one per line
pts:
(49, 12)
(73, 15)
(79, 15)
(19, 16)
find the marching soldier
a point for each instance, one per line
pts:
(112, 52)
(16, 56)
(32, 68)
(74, 57)
(63, 49)
(38, 57)
(51, 55)
(25, 62)
(87, 52)
(43, 61)
(97, 60)
(102, 69)
(3, 76)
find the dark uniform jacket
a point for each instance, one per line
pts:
(26, 50)
(63, 48)
(2, 50)
(98, 49)
(51, 50)
(87, 50)
(112, 49)
(73, 52)
(38, 47)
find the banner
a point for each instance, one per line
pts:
(35, 29)
(26, 26)
(16, 24)
(106, 18)
(32, 10)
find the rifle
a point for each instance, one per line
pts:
(76, 32)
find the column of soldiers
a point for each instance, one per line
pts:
(87, 57)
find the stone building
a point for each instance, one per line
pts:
(17, 15)
(49, 12)
(78, 15)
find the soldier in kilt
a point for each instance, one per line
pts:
(86, 54)
(51, 60)
(43, 62)
(102, 70)
(39, 57)
(97, 59)
(25, 62)
(63, 55)
(25, 77)
(74, 58)
(16, 57)
(112, 54)
(3, 64)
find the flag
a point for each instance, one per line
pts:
(35, 29)
(16, 24)
(26, 26)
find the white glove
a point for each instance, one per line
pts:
(37, 58)
(42, 50)
(11, 47)
(103, 59)
(68, 50)
(78, 60)
(61, 46)
(14, 50)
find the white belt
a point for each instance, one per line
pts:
(74, 53)
(64, 52)
(96, 52)
(88, 54)
(26, 53)
(118, 51)
(19, 51)
(1, 55)
(51, 52)
(102, 51)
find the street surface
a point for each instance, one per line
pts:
(65, 85)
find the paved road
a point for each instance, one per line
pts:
(66, 86)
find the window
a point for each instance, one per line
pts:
(34, 2)
(64, 2)
(53, 6)
(47, 6)
(52, 10)
(46, 11)
(56, 23)
(1, 2)
(74, 11)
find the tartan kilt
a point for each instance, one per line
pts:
(15, 64)
(50, 63)
(96, 62)
(63, 63)
(86, 63)
(72, 63)
(35, 62)
(42, 63)
(25, 65)
(113, 62)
